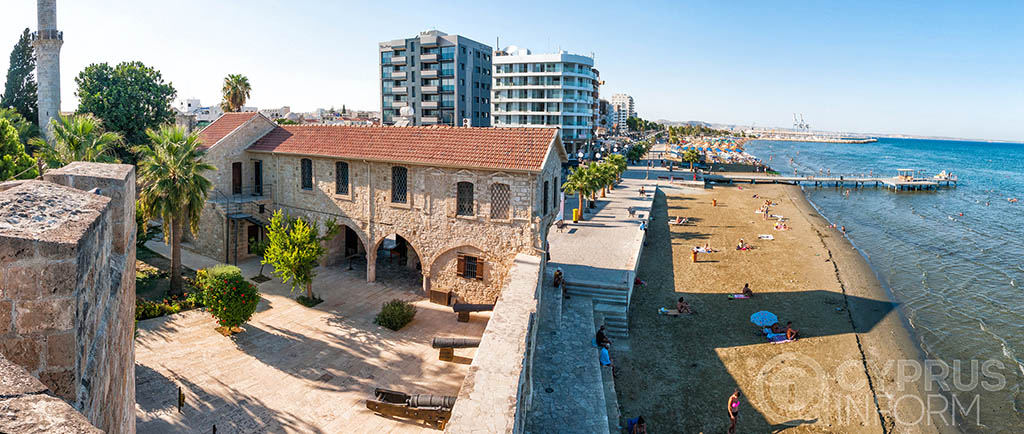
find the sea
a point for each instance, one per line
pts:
(953, 259)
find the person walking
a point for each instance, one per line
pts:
(734, 410)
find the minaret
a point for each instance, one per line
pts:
(47, 41)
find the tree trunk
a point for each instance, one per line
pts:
(176, 228)
(604, 191)
(309, 290)
(581, 204)
(691, 166)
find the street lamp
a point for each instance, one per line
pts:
(598, 156)
(580, 154)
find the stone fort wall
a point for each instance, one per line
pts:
(67, 301)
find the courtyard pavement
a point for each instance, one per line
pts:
(295, 369)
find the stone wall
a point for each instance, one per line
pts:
(67, 259)
(28, 407)
(499, 386)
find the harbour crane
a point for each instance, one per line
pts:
(806, 126)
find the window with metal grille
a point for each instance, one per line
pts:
(464, 199)
(545, 198)
(399, 184)
(470, 267)
(341, 177)
(307, 174)
(499, 201)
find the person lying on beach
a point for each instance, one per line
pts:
(680, 220)
(781, 227)
(682, 308)
(742, 245)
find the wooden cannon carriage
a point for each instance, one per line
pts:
(432, 409)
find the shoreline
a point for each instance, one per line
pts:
(894, 338)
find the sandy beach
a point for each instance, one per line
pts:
(848, 371)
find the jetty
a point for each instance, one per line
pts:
(903, 181)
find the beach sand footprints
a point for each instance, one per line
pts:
(791, 387)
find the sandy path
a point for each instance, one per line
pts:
(681, 371)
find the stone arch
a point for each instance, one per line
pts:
(441, 275)
(413, 255)
(340, 248)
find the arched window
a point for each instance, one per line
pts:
(307, 174)
(464, 198)
(500, 201)
(399, 184)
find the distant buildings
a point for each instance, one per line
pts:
(546, 90)
(624, 108)
(445, 79)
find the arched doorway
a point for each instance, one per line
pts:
(397, 263)
(347, 249)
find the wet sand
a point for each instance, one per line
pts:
(839, 377)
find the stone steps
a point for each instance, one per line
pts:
(616, 320)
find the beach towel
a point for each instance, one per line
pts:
(775, 216)
(782, 341)
(737, 296)
(766, 237)
(758, 212)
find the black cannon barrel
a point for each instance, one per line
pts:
(390, 396)
(417, 401)
(455, 343)
(465, 307)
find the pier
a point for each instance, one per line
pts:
(895, 183)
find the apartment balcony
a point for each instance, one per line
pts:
(399, 104)
(430, 73)
(399, 90)
(430, 104)
(429, 58)
(429, 89)
(398, 75)
(429, 120)
(448, 72)
(398, 60)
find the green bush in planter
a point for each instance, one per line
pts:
(395, 314)
(228, 296)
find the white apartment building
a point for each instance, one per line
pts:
(624, 108)
(546, 90)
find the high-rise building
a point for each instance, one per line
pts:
(546, 90)
(624, 108)
(47, 41)
(445, 80)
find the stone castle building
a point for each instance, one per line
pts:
(47, 41)
(67, 300)
(456, 204)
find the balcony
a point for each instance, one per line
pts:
(429, 120)
(397, 75)
(429, 89)
(430, 104)
(398, 60)
(428, 58)
(448, 72)
(430, 73)
(399, 104)
(399, 90)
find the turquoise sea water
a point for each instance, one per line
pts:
(959, 279)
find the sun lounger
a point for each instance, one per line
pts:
(776, 216)
(737, 296)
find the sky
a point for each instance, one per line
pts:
(952, 69)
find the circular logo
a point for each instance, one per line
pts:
(791, 386)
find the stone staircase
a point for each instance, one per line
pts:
(611, 300)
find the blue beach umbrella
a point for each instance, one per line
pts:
(763, 318)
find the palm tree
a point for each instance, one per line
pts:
(76, 138)
(171, 170)
(577, 183)
(691, 156)
(619, 162)
(236, 90)
(606, 174)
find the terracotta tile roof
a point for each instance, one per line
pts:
(521, 149)
(225, 124)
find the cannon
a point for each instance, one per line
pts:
(432, 409)
(463, 309)
(446, 346)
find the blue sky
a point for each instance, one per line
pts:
(928, 68)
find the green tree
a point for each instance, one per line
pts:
(236, 91)
(174, 189)
(26, 129)
(691, 156)
(21, 91)
(577, 183)
(343, 110)
(77, 138)
(606, 174)
(295, 247)
(15, 163)
(619, 163)
(130, 98)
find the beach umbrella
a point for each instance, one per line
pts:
(763, 318)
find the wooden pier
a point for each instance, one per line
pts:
(895, 183)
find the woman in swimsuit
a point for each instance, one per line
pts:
(734, 410)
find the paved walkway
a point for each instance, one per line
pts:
(294, 369)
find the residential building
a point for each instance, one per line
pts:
(204, 114)
(624, 108)
(454, 206)
(546, 90)
(605, 116)
(445, 79)
(276, 113)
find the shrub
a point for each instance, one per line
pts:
(395, 314)
(228, 296)
(146, 309)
